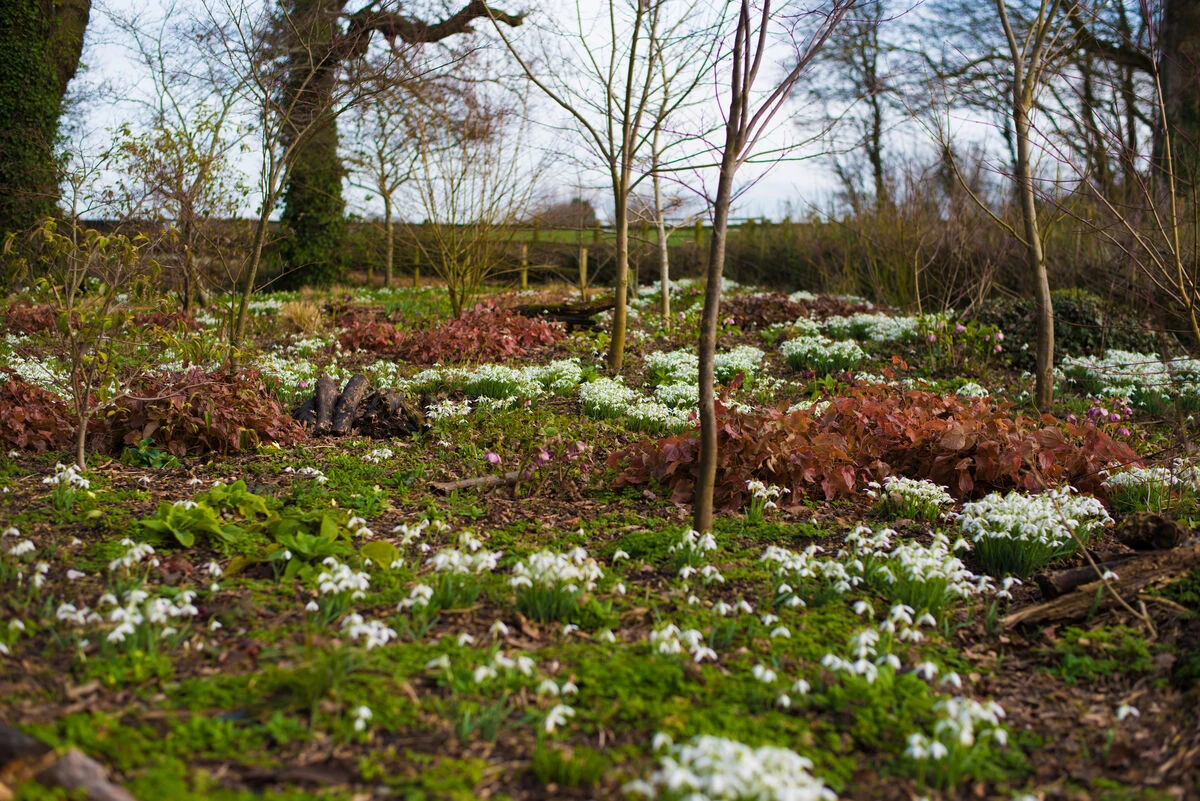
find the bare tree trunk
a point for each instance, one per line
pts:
(707, 477)
(664, 253)
(256, 249)
(616, 346)
(389, 234)
(1035, 259)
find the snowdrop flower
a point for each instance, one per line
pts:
(1127, 711)
(952, 678)
(926, 670)
(192, 482)
(801, 687)
(763, 674)
(607, 636)
(768, 619)
(864, 608)
(784, 701)
(742, 606)
(781, 631)
(547, 687)
(75, 575)
(693, 600)
(722, 608)
(660, 741)
(439, 663)
(569, 629)
(618, 556)
(1109, 575)
(484, 673)
(499, 629)
(569, 688)
(619, 588)
(214, 624)
(685, 572)
(312, 606)
(557, 717)
(11, 531)
(361, 715)
(465, 638)
(21, 548)
(16, 625)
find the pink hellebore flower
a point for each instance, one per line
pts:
(959, 328)
(494, 458)
(932, 337)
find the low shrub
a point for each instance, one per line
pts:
(968, 445)
(483, 334)
(199, 412)
(32, 418)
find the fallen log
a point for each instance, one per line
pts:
(1145, 531)
(23, 758)
(1143, 570)
(346, 409)
(1061, 582)
(446, 487)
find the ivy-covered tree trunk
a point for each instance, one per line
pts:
(313, 207)
(319, 37)
(40, 44)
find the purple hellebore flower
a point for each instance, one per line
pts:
(494, 458)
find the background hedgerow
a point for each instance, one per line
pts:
(969, 445)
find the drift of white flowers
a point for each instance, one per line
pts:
(718, 769)
(912, 497)
(877, 327)
(606, 398)
(973, 390)
(821, 354)
(1180, 475)
(1046, 519)
(573, 571)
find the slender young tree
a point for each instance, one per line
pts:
(748, 116)
(610, 91)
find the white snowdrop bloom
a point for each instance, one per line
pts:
(926, 670)
(700, 653)
(781, 631)
(484, 673)
(499, 629)
(11, 531)
(373, 632)
(768, 619)
(938, 750)
(569, 688)
(194, 481)
(312, 606)
(1126, 711)
(525, 665)
(744, 607)
(693, 600)
(550, 569)
(569, 629)
(618, 556)
(927, 620)
(361, 715)
(558, 717)
(717, 768)
(547, 687)
(22, 548)
(619, 588)
(3, 649)
(1108, 575)
(418, 598)
(16, 625)
(465, 638)
(794, 602)
(169, 631)
(685, 572)
(801, 687)
(918, 747)
(711, 575)
(763, 674)
(952, 679)
(438, 663)
(214, 624)
(75, 575)
(722, 608)
(607, 636)
(784, 700)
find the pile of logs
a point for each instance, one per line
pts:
(381, 414)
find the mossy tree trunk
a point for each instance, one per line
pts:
(40, 44)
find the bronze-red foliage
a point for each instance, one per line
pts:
(31, 418)
(972, 446)
(485, 333)
(198, 412)
(28, 318)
